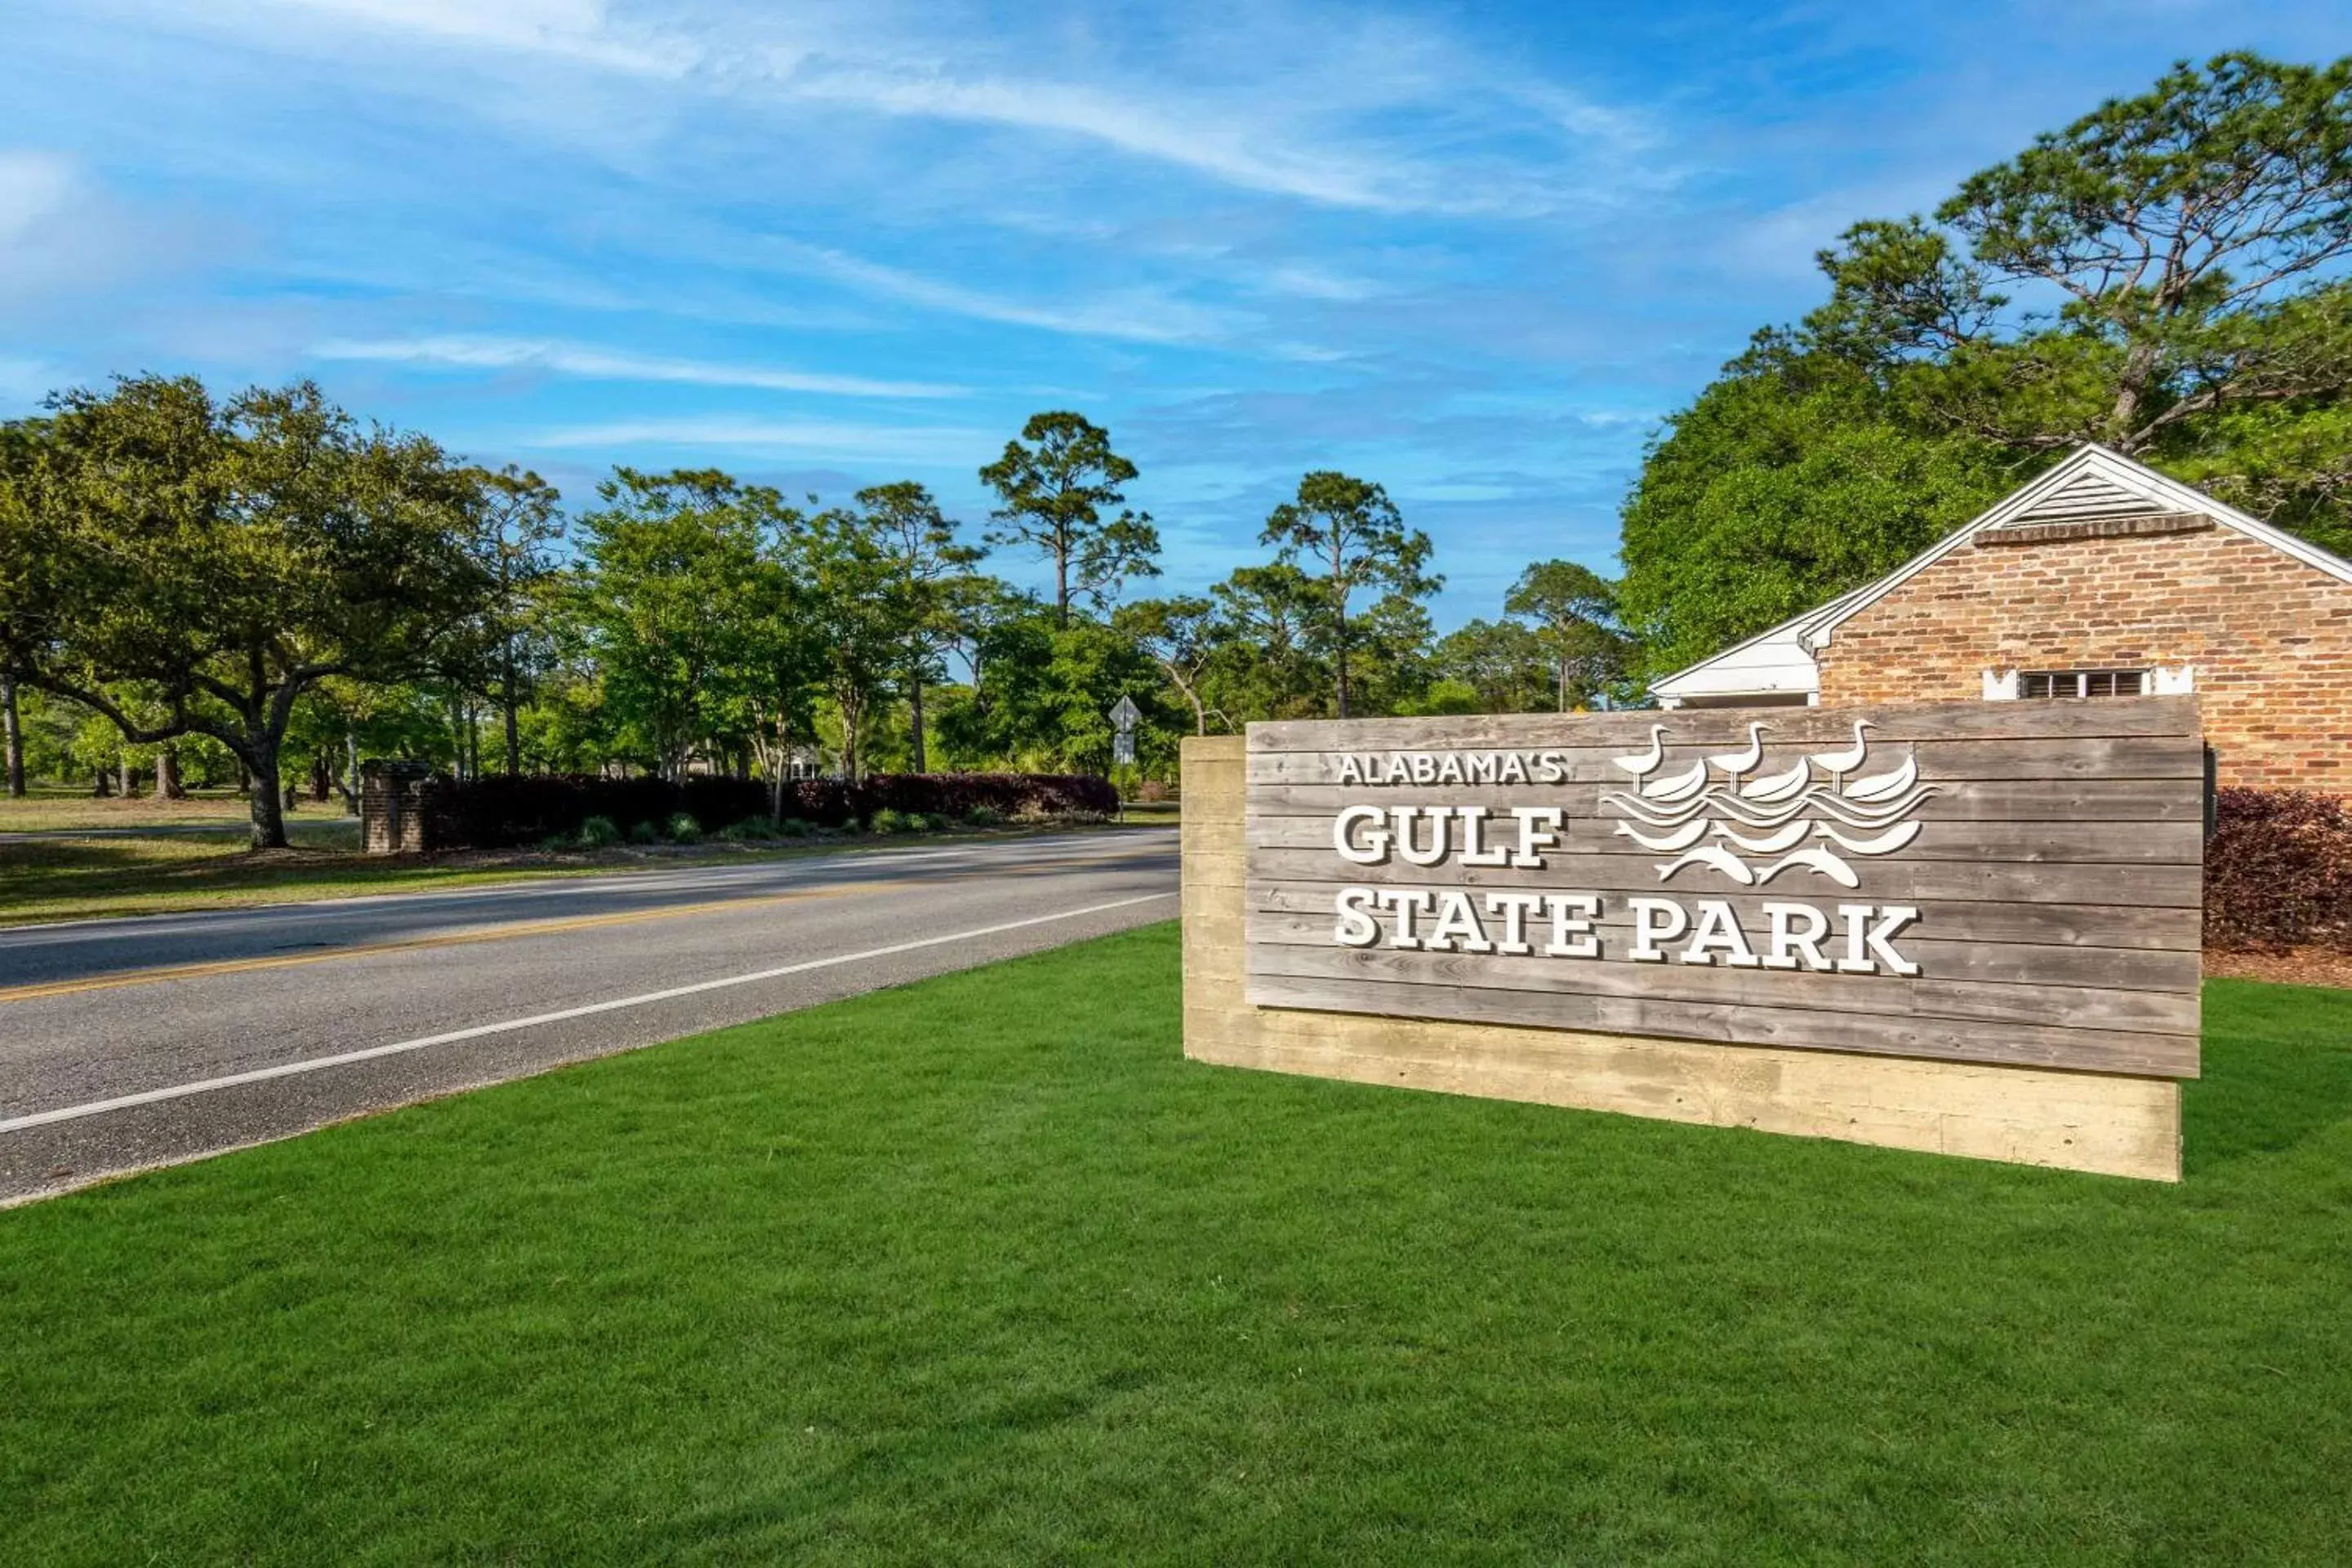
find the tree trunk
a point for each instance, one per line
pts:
(1340, 617)
(1564, 684)
(508, 702)
(352, 763)
(914, 706)
(268, 813)
(13, 736)
(853, 716)
(167, 773)
(2139, 374)
(105, 788)
(123, 763)
(1343, 666)
(244, 777)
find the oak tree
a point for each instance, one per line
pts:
(185, 565)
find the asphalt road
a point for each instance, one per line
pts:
(115, 1035)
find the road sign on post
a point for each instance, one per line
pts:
(1122, 739)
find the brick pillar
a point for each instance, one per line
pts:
(392, 798)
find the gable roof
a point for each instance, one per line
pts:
(2092, 482)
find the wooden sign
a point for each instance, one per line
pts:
(2004, 882)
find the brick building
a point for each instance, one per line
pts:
(2100, 578)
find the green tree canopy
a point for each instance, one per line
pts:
(2165, 274)
(1179, 634)
(931, 581)
(1574, 611)
(185, 565)
(1504, 665)
(683, 580)
(1352, 536)
(1055, 485)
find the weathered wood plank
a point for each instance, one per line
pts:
(1894, 722)
(2050, 926)
(1968, 800)
(2101, 1120)
(1926, 996)
(2059, 761)
(1940, 950)
(2179, 843)
(2086, 1121)
(1886, 881)
(2099, 1050)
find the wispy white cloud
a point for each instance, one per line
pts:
(1311, 282)
(35, 187)
(1204, 139)
(1142, 315)
(586, 31)
(467, 353)
(835, 439)
(1334, 107)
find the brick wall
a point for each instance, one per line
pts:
(2270, 639)
(392, 800)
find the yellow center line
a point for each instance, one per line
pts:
(523, 929)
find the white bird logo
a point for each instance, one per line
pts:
(1646, 765)
(1738, 763)
(1837, 764)
(1768, 815)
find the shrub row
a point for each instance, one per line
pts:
(501, 813)
(2278, 870)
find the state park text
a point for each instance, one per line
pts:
(1846, 938)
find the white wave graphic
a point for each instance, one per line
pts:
(1772, 814)
(1771, 843)
(1681, 838)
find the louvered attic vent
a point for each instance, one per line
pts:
(2089, 506)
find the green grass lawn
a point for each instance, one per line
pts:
(982, 1271)
(46, 808)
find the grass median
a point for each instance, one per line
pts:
(981, 1270)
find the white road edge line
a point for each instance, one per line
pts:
(319, 1064)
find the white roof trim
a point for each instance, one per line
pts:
(1754, 655)
(1811, 631)
(2169, 495)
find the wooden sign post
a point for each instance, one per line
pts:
(1966, 927)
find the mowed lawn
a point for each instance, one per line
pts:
(983, 1271)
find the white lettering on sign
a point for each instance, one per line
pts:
(1929, 880)
(1430, 835)
(1383, 768)
(1707, 931)
(1761, 808)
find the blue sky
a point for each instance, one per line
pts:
(1474, 252)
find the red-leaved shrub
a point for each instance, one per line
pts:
(2278, 870)
(498, 813)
